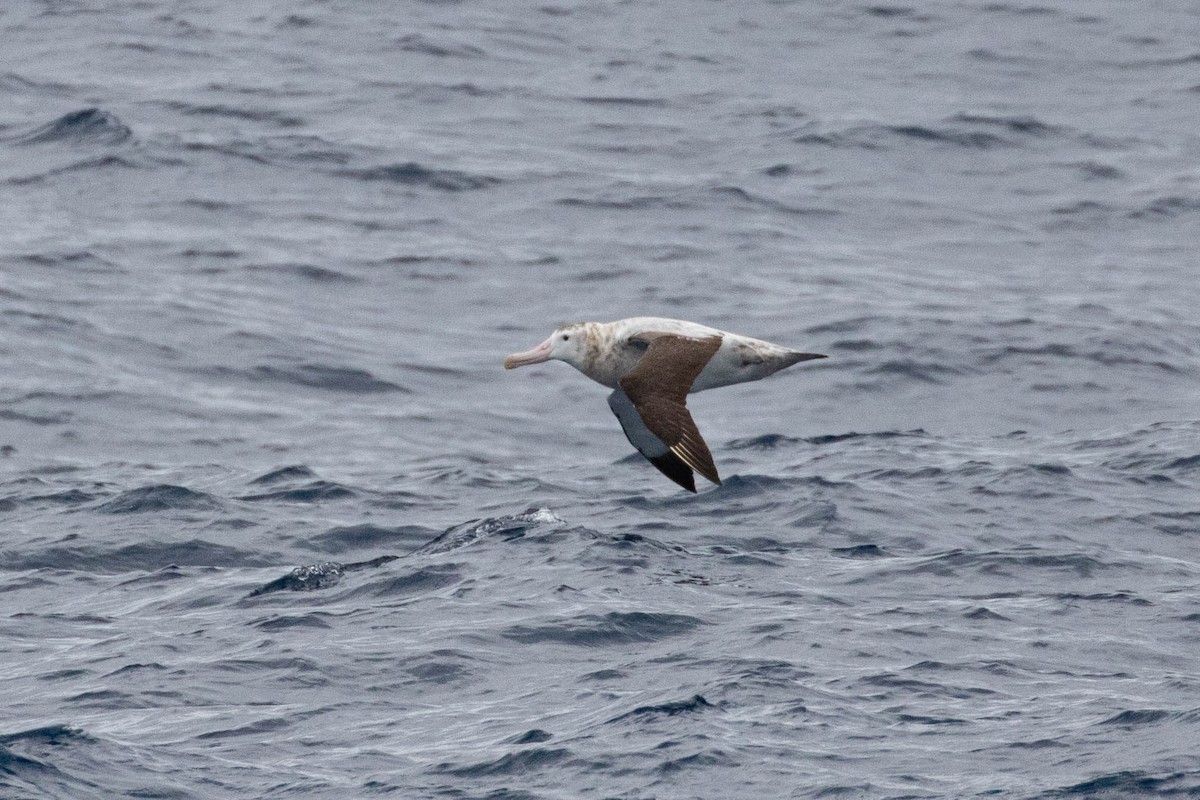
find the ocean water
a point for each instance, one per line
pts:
(274, 522)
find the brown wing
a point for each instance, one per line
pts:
(658, 388)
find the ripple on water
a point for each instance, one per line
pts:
(614, 628)
(316, 376)
(414, 174)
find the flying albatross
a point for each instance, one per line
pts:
(652, 364)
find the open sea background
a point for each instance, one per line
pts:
(275, 523)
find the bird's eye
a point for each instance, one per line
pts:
(565, 337)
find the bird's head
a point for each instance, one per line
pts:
(568, 343)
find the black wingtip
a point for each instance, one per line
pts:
(674, 468)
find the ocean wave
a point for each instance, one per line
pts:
(313, 492)
(147, 556)
(88, 126)
(967, 131)
(504, 528)
(690, 706)
(413, 174)
(439, 47)
(607, 630)
(87, 166)
(160, 497)
(312, 577)
(291, 472)
(522, 762)
(315, 376)
(273, 117)
(365, 536)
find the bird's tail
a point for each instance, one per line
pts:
(795, 357)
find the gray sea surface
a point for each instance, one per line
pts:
(274, 522)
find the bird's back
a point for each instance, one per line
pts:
(739, 359)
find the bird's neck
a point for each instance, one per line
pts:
(601, 359)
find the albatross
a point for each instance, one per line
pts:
(652, 364)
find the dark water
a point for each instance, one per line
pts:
(260, 263)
